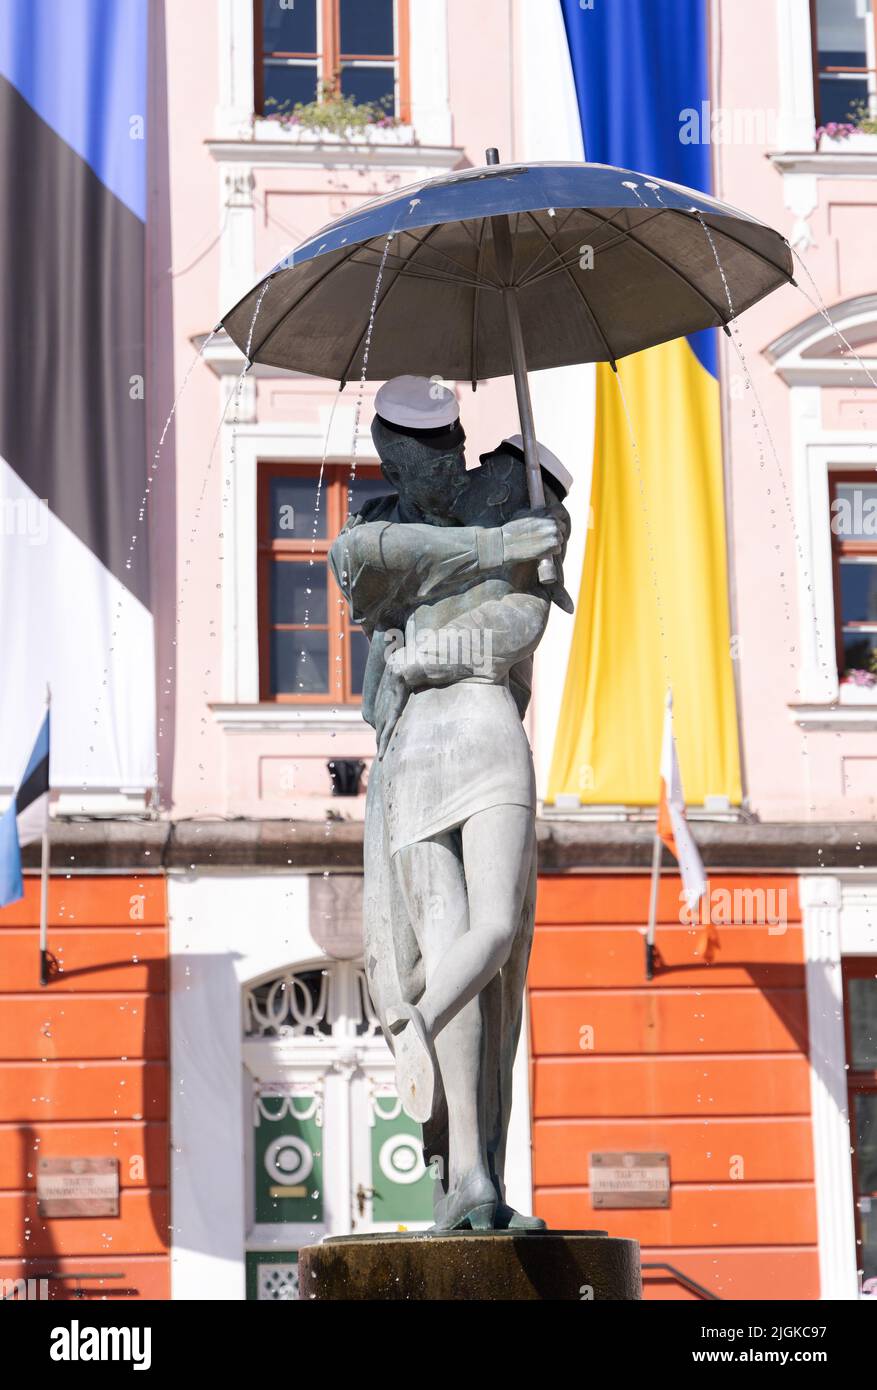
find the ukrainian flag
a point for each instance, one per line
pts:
(653, 607)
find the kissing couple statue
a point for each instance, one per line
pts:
(442, 575)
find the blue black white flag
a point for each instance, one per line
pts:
(25, 818)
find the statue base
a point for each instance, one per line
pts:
(491, 1266)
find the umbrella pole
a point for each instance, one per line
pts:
(547, 569)
(502, 242)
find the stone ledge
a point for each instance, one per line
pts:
(155, 846)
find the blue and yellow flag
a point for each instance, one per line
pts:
(653, 607)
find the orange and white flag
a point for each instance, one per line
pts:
(672, 825)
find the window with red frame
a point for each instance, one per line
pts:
(309, 49)
(310, 651)
(854, 552)
(844, 37)
(860, 1015)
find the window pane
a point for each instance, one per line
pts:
(293, 503)
(841, 34)
(858, 591)
(286, 84)
(865, 1123)
(298, 592)
(370, 85)
(364, 489)
(358, 657)
(854, 512)
(860, 649)
(841, 98)
(367, 26)
(867, 1257)
(863, 1023)
(300, 663)
(289, 28)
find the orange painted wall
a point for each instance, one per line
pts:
(84, 1073)
(707, 1061)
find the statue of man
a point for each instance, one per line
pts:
(443, 578)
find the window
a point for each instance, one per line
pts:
(844, 63)
(854, 555)
(309, 649)
(860, 1013)
(309, 49)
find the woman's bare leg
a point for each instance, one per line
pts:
(429, 875)
(497, 850)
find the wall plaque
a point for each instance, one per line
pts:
(78, 1186)
(630, 1180)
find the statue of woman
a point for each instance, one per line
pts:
(450, 817)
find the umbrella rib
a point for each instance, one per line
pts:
(549, 242)
(589, 311)
(607, 245)
(442, 277)
(436, 251)
(301, 299)
(656, 255)
(389, 290)
(720, 231)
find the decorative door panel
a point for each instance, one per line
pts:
(401, 1184)
(287, 1158)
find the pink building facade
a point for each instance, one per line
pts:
(273, 895)
(284, 1123)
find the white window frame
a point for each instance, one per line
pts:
(796, 154)
(838, 919)
(795, 356)
(428, 69)
(244, 447)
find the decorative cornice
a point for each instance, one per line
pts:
(828, 164)
(824, 718)
(266, 718)
(313, 846)
(367, 153)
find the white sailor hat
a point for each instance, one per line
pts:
(550, 462)
(417, 403)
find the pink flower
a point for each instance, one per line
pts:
(836, 130)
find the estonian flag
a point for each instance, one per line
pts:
(25, 818)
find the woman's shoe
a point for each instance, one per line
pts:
(415, 1064)
(470, 1207)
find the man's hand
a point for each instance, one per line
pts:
(530, 538)
(389, 704)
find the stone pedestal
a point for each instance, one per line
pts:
(464, 1265)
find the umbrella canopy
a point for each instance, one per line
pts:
(605, 262)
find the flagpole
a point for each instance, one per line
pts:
(44, 883)
(653, 906)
